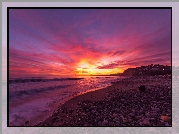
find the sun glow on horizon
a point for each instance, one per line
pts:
(84, 68)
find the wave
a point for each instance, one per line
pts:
(20, 80)
(23, 93)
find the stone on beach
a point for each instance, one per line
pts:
(147, 114)
(165, 118)
(124, 108)
(105, 122)
(156, 109)
(142, 88)
(146, 122)
(114, 115)
(132, 114)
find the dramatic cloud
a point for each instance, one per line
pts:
(86, 41)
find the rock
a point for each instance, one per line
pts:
(140, 123)
(169, 110)
(152, 119)
(71, 111)
(147, 114)
(166, 124)
(165, 118)
(129, 120)
(117, 109)
(114, 115)
(159, 124)
(115, 119)
(156, 109)
(124, 121)
(121, 116)
(162, 122)
(79, 103)
(93, 111)
(117, 122)
(122, 100)
(27, 122)
(142, 88)
(146, 122)
(105, 122)
(132, 114)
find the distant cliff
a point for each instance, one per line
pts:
(149, 70)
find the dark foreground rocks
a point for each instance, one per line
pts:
(142, 88)
(120, 108)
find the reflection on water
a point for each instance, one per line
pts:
(28, 100)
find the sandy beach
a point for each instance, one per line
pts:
(121, 104)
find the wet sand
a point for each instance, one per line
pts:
(121, 104)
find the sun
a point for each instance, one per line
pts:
(84, 68)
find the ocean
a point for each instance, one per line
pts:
(32, 100)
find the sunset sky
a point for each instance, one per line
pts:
(87, 41)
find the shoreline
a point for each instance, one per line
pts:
(35, 109)
(67, 101)
(73, 109)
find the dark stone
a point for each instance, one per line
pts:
(71, 111)
(142, 88)
(27, 122)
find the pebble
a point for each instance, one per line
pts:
(105, 122)
(169, 110)
(122, 99)
(118, 122)
(146, 122)
(124, 121)
(116, 109)
(166, 124)
(114, 115)
(156, 109)
(165, 118)
(132, 114)
(93, 111)
(147, 114)
(27, 122)
(122, 117)
(129, 120)
(125, 108)
(152, 119)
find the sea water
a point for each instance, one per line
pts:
(32, 100)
